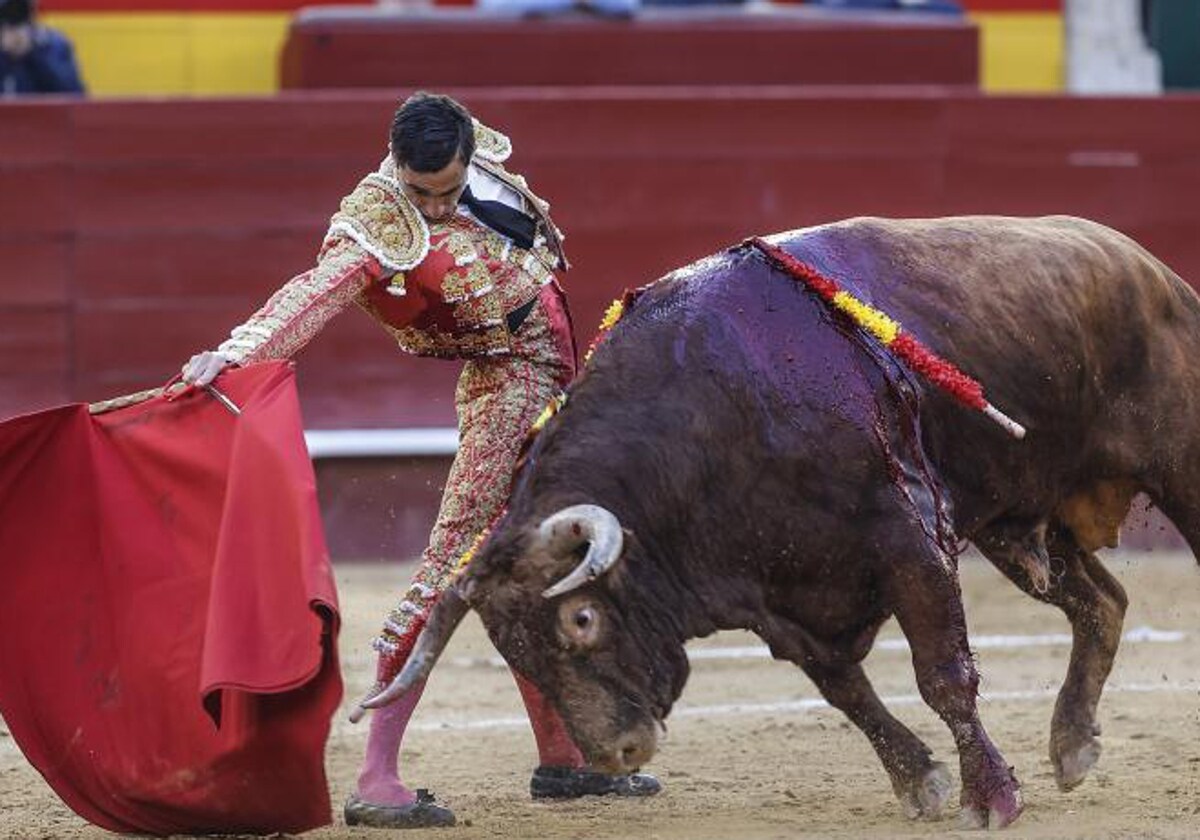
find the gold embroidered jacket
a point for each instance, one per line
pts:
(441, 288)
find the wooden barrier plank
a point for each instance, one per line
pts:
(175, 198)
(34, 270)
(145, 253)
(277, 131)
(1175, 243)
(413, 392)
(642, 180)
(33, 343)
(142, 343)
(1088, 127)
(777, 121)
(23, 393)
(36, 131)
(242, 266)
(36, 201)
(1036, 187)
(377, 508)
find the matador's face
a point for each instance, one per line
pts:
(435, 194)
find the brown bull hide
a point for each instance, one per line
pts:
(776, 470)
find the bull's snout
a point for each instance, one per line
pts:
(631, 750)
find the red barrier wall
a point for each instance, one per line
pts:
(134, 233)
(373, 47)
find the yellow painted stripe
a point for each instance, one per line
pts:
(204, 53)
(1021, 52)
(169, 54)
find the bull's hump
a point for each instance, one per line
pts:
(788, 236)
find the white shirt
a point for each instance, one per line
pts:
(488, 187)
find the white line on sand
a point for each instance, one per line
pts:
(808, 704)
(1135, 636)
(1138, 635)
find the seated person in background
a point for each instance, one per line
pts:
(945, 6)
(540, 8)
(34, 58)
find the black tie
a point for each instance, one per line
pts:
(501, 218)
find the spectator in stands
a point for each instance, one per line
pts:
(539, 8)
(456, 258)
(34, 58)
(944, 6)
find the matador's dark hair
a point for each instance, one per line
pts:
(430, 130)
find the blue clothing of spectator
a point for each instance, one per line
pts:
(945, 6)
(47, 67)
(611, 8)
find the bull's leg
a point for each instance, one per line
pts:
(1020, 544)
(1177, 495)
(1094, 602)
(922, 784)
(928, 605)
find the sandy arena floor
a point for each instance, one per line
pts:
(752, 753)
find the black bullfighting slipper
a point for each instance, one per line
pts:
(421, 814)
(570, 783)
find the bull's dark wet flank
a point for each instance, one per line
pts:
(771, 470)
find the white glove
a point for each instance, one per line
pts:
(203, 368)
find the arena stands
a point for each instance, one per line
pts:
(134, 230)
(232, 47)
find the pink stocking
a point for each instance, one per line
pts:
(379, 779)
(554, 744)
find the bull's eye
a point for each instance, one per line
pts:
(579, 622)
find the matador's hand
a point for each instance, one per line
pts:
(203, 368)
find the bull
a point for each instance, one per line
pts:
(737, 455)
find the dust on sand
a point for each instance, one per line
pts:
(752, 754)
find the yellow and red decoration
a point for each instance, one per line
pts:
(615, 311)
(891, 335)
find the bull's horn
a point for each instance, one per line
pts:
(443, 619)
(593, 523)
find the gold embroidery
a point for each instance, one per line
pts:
(481, 312)
(379, 218)
(464, 283)
(460, 246)
(497, 399)
(491, 144)
(396, 285)
(298, 310)
(433, 342)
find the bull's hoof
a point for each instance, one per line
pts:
(926, 798)
(421, 814)
(1071, 765)
(1002, 811)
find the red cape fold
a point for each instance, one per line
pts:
(168, 657)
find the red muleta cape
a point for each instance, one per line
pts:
(168, 655)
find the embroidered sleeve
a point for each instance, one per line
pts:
(298, 311)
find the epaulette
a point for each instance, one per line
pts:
(490, 144)
(383, 222)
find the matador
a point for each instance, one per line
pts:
(457, 258)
